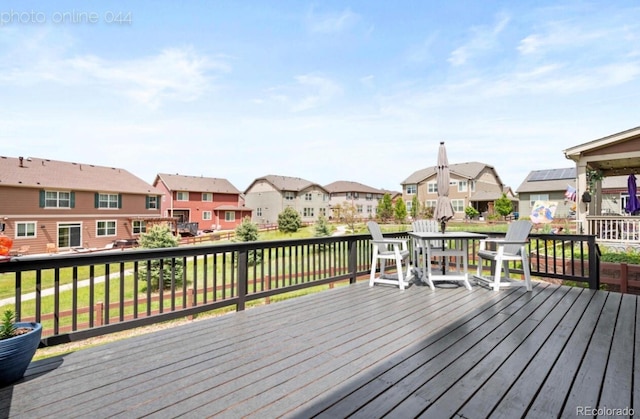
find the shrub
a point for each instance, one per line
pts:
(156, 237)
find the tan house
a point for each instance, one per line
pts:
(364, 198)
(472, 184)
(49, 205)
(270, 195)
(206, 202)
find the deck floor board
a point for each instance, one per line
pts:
(360, 351)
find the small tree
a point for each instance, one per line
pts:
(289, 221)
(503, 206)
(347, 213)
(385, 208)
(415, 207)
(322, 227)
(248, 232)
(471, 212)
(160, 236)
(400, 211)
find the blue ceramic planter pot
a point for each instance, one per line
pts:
(16, 353)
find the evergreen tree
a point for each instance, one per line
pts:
(385, 208)
(156, 237)
(503, 206)
(289, 220)
(248, 232)
(322, 227)
(415, 207)
(400, 211)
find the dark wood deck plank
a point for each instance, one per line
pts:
(511, 320)
(551, 397)
(618, 373)
(509, 365)
(360, 351)
(521, 393)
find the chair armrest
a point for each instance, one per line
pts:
(395, 242)
(499, 242)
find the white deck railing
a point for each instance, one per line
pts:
(615, 229)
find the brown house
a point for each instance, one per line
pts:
(472, 184)
(211, 203)
(49, 206)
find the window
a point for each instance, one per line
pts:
(325, 197)
(412, 189)
(182, 196)
(538, 197)
(106, 228)
(458, 205)
(462, 186)
(308, 197)
(258, 212)
(69, 235)
(359, 209)
(206, 215)
(323, 212)
(473, 185)
(207, 197)
(229, 215)
(152, 202)
(108, 200)
(369, 197)
(430, 203)
(57, 199)
(27, 229)
(432, 187)
(139, 227)
(408, 205)
(289, 196)
(356, 195)
(369, 209)
(307, 212)
(348, 195)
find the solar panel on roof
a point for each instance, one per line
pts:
(553, 174)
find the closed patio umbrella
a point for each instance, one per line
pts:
(633, 204)
(444, 210)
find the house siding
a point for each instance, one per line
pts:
(21, 205)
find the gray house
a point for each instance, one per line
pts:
(269, 195)
(548, 185)
(364, 198)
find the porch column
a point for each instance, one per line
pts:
(581, 208)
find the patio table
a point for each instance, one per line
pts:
(458, 247)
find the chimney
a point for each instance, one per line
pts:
(21, 159)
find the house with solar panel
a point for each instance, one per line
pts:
(559, 185)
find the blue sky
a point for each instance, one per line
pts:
(326, 91)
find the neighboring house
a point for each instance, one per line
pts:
(270, 195)
(56, 205)
(548, 185)
(552, 184)
(212, 203)
(364, 198)
(471, 184)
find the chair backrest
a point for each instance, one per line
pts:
(518, 232)
(427, 226)
(375, 231)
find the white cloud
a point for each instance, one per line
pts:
(308, 92)
(328, 23)
(483, 38)
(174, 74)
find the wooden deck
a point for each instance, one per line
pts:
(361, 352)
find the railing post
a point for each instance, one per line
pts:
(99, 308)
(594, 264)
(353, 260)
(243, 277)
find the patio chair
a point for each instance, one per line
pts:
(511, 248)
(389, 249)
(435, 246)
